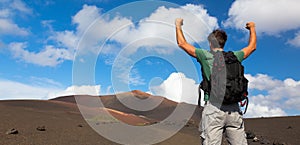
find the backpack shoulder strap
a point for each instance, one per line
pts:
(230, 57)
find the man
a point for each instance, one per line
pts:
(225, 118)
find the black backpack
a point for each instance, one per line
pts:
(227, 83)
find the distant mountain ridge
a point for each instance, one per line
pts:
(163, 110)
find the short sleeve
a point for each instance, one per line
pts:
(200, 55)
(240, 55)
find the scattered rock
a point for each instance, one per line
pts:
(276, 142)
(12, 131)
(289, 127)
(41, 128)
(79, 125)
(190, 123)
(264, 141)
(250, 134)
(255, 139)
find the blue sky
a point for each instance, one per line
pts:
(50, 47)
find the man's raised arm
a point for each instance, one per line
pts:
(252, 40)
(190, 49)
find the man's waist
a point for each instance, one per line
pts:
(234, 107)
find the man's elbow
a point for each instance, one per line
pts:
(254, 47)
(182, 45)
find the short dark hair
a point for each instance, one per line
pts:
(217, 38)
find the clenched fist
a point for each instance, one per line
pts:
(250, 25)
(179, 22)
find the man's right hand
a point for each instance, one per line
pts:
(252, 40)
(179, 22)
(250, 25)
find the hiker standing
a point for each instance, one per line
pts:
(218, 116)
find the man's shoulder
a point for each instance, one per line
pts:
(202, 54)
(201, 50)
(239, 54)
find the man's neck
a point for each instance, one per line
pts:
(217, 49)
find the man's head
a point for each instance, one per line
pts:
(217, 39)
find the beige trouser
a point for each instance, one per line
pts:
(214, 122)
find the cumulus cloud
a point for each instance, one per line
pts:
(271, 17)
(7, 27)
(295, 41)
(41, 89)
(66, 39)
(93, 28)
(77, 90)
(160, 24)
(273, 96)
(4, 13)
(20, 6)
(262, 82)
(257, 110)
(197, 22)
(49, 56)
(135, 78)
(9, 11)
(44, 82)
(177, 87)
(85, 17)
(11, 90)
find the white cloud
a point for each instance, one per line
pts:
(154, 34)
(2, 46)
(135, 78)
(271, 17)
(41, 88)
(124, 73)
(85, 17)
(11, 90)
(10, 28)
(108, 90)
(77, 90)
(262, 82)
(257, 110)
(44, 82)
(93, 28)
(96, 28)
(177, 87)
(276, 89)
(197, 22)
(277, 96)
(21, 7)
(66, 39)
(9, 11)
(159, 25)
(4, 13)
(49, 56)
(295, 41)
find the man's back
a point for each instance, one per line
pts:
(206, 59)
